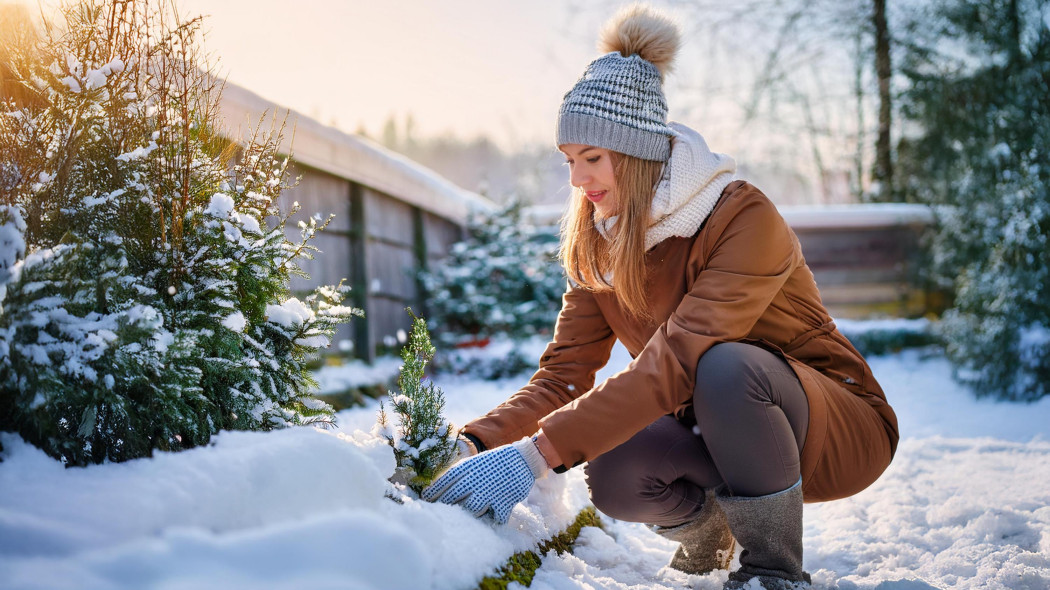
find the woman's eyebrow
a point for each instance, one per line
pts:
(580, 153)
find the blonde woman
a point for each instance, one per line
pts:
(743, 400)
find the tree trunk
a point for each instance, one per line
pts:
(883, 162)
(862, 137)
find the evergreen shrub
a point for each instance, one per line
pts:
(144, 269)
(423, 440)
(503, 280)
(979, 77)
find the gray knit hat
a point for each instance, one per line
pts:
(618, 104)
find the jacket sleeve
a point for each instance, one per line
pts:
(746, 257)
(580, 347)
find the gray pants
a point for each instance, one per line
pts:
(752, 416)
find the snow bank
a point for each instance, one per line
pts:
(953, 512)
(929, 403)
(949, 513)
(850, 327)
(965, 503)
(286, 509)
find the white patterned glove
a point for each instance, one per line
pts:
(495, 480)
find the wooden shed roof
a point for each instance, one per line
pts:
(351, 157)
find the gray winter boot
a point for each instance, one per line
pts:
(706, 542)
(769, 529)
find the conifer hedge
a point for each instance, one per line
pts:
(144, 264)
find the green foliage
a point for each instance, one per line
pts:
(522, 566)
(979, 76)
(423, 443)
(144, 296)
(502, 280)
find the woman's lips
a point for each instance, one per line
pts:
(595, 196)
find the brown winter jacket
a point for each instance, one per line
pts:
(742, 277)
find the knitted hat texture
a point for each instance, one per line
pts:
(618, 103)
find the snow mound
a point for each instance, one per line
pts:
(292, 508)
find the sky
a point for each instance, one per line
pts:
(497, 68)
(469, 67)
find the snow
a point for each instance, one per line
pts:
(965, 504)
(850, 327)
(138, 152)
(856, 215)
(290, 314)
(220, 205)
(95, 79)
(71, 83)
(249, 223)
(235, 322)
(12, 245)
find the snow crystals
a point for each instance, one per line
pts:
(220, 205)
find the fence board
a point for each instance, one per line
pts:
(440, 234)
(391, 271)
(387, 219)
(329, 266)
(321, 194)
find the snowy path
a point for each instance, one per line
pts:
(966, 504)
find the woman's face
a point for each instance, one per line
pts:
(591, 170)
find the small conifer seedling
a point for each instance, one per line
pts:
(423, 441)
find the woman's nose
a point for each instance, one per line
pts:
(577, 177)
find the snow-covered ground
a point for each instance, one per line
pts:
(965, 504)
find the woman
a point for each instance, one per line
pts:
(742, 400)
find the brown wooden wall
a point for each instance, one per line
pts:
(376, 243)
(867, 271)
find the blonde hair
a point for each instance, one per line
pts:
(596, 263)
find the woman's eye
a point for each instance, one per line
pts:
(594, 159)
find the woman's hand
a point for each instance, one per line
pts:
(494, 481)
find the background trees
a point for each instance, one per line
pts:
(978, 117)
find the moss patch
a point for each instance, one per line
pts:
(522, 566)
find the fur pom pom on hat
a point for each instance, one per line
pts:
(640, 30)
(618, 104)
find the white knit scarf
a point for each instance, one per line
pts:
(693, 180)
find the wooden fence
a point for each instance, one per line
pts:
(866, 258)
(393, 217)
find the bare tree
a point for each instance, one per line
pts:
(883, 70)
(793, 65)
